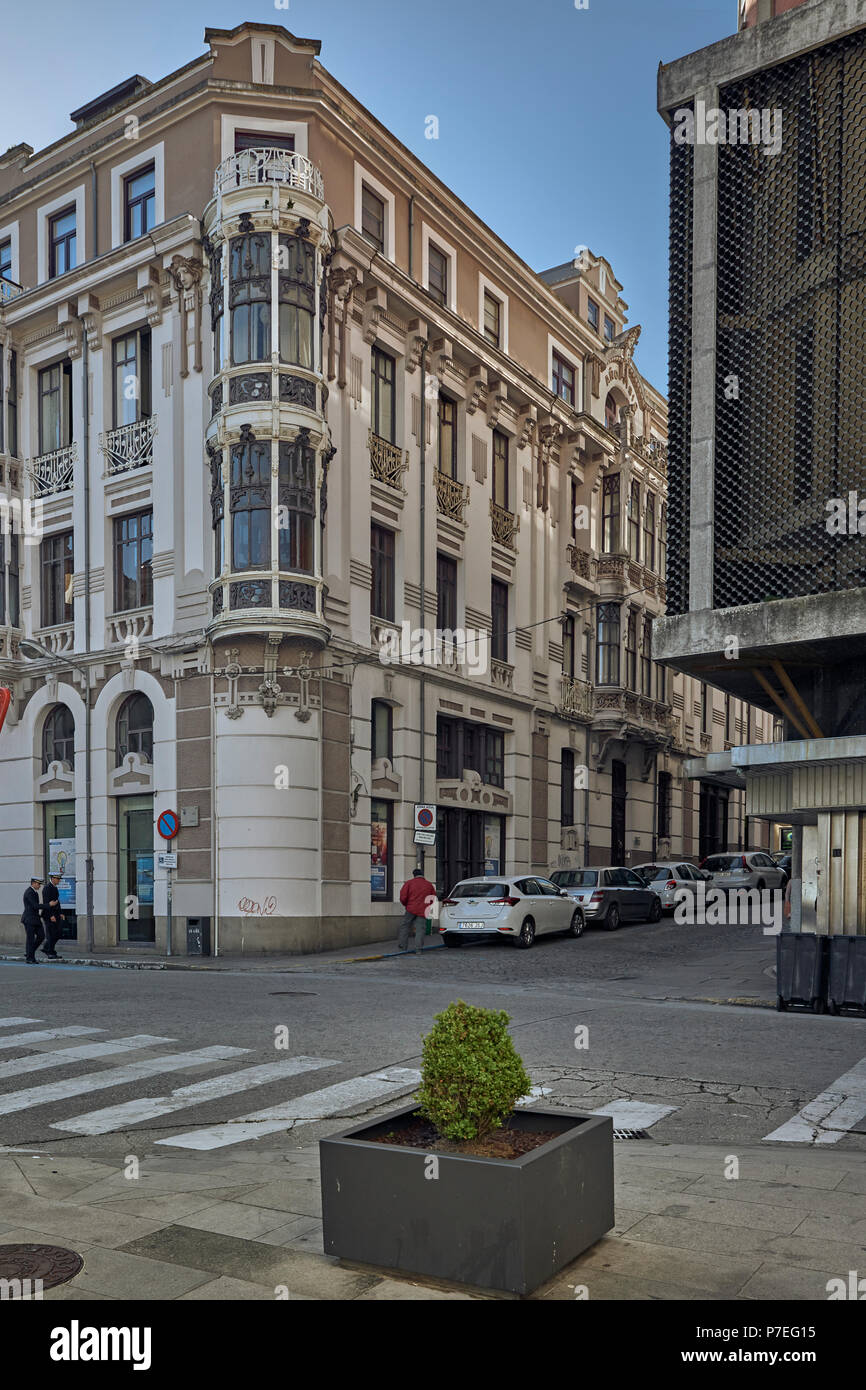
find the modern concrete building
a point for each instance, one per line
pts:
(767, 555)
(344, 509)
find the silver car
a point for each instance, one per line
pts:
(610, 895)
(668, 879)
(754, 869)
(518, 909)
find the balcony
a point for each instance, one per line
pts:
(653, 451)
(584, 566)
(502, 675)
(576, 698)
(129, 627)
(451, 496)
(611, 567)
(57, 640)
(12, 473)
(387, 462)
(629, 707)
(9, 289)
(504, 526)
(53, 472)
(129, 446)
(249, 168)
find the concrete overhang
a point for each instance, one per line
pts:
(818, 630)
(755, 49)
(763, 758)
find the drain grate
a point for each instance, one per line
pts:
(49, 1264)
(630, 1134)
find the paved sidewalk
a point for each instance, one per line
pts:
(249, 1227)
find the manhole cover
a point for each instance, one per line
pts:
(630, 1134)
(294, 993)
(50, 1264)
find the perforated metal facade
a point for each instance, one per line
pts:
(679, 375)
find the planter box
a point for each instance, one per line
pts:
(495, 1223)
(801, 971)
(846, 987)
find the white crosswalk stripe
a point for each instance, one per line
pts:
(115, 1117)
(14, 1101)
(85, 1052)
(306, 1109)
(830, 1115)
(47, 1035)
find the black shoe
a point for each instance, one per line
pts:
(31, 960)
(50, 955)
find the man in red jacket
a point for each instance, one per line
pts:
(417, 896)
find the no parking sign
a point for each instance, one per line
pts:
(425, 824)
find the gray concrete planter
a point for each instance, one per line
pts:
(495, 1223)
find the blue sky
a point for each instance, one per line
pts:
(547, 121)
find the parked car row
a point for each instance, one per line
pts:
(524, 907)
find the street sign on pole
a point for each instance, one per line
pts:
(166, 861)
(425, 816)
(425, 837)
(168, 824)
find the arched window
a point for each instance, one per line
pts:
(250, 496)
(135, 728)
(58, 738)
(611, 412)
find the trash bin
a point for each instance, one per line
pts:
(198, 936)
(846, 988)
(801, 971)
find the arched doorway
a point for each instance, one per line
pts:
(135, 853)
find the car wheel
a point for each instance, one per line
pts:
(655, 911)
(527, 935)
(611, 921)
(449, 940)
(578, 922)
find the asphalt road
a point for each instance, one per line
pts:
(732, 1073)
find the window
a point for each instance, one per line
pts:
(610, 539)
(492, 319)
(646, 658)
(649, 532)
(563, 379)
(297, 298)
(499, 610)
(729, 723)
(250, 494)
(611, 413)
(609, 329)
(58, 738)
(381, 850)
(133, 553)
(61, 242)
(500, 469)
(447, 457)
(384, 401)
(135, 728)
(57, 567)
(55, 407)
(14, 581)
(592, 314)
(566, 791)
(139, 202)
(12, 403)
(706, 709)
(446, 593)
(437, 274)
(631, 650)
(131, 377)
(661, 683)
(634, 521)
(296, 496)
(663, 804)
(372, 218)
(663, 541)
(250, 297)
(607, 643)
(262, 140)
(6, 259)
(381, 731)
(574, 492)
(462, 745)
(382, 565)
(568, 647)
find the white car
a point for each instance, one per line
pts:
(669, 879)
(754, 869)
(518, 909)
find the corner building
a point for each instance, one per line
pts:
(287, 403)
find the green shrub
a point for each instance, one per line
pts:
(471, 1074)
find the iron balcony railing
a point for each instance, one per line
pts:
(451, 496)
(53, 472)
(129, 446)
(504, 525)
(9, 289)
(576, 697)
(251, 167)
(388, 463)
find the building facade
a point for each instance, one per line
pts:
(767, 555)
(330, 506)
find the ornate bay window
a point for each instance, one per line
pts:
(250, 503)
(610, 531)
(297, 503)
(250, 297)
(608, 643)
(297, 299)
(649, 532)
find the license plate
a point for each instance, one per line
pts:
(470, 926)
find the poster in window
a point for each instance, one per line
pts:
(379, 849)
(491, 844)
(61, 860)
(144, 879)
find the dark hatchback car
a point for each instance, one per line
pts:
(610, 895)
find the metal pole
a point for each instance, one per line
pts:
(422, 713)
(88, 782)
(168, 917)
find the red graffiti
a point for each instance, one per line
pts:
(248, 908)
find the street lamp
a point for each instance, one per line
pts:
(34, 651)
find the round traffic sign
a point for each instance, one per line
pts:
(168, 825)
(425, 817)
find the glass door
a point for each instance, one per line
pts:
(135, 919)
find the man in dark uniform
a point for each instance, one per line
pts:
(52, 916)
(31, 920)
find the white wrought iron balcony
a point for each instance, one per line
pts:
(129, 446)
(249, 168)
(9, 289)
(53, 472)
